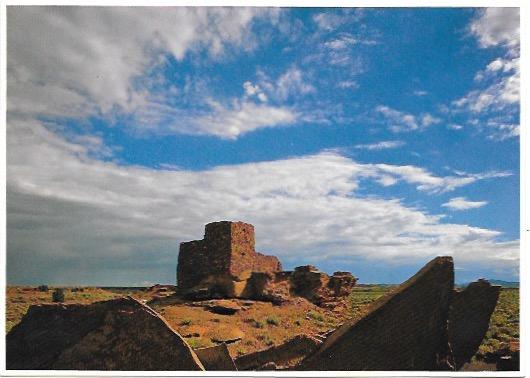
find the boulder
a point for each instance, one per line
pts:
(404, 330)
(120, 334)
(469, 318)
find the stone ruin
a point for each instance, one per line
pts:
(423, 324)
(225, 264)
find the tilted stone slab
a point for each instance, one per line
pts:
(469, 319)
(286, 354)
(404, 330)
(216, 358)
(120, 334)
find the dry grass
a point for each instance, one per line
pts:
(260, 326)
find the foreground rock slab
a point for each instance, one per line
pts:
(404, 330)
(284, 355)
(120, 334)
(216, 358)
(469, 318)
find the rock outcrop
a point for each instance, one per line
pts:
(404, 330)
(469, 318)
(319, 288)
(120, 334)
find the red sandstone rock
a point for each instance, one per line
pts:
(216, 358)
(120, 334)
(223, 261)
(469, 318)
(225, 265)
(404, 330)
(284, 355)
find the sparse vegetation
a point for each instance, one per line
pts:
(315, 316)
(263, 324)
(58, 295)
(186, 322)
(198, 342)
(361, 296)
(504, 323)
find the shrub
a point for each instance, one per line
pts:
(297, 322)
(316, 316)
(198, 342)
(186, 322)
(43, 288)
(58, 295)
(272, 320)
(258, 324)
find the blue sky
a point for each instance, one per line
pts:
(368, 140)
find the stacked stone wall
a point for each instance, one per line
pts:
(266, 263)
(242, 253)
(192, 264)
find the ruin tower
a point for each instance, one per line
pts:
(225, 258)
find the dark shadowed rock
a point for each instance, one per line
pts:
(223, 307)
(216, 358)
(286, 354)
(469, 318)
(404, 330)
(120, 334)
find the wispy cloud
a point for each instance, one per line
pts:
(404, 122)
(387, 144)
(461, 203)
(240, 119)
(497, 86)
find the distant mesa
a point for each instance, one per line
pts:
(225, 264)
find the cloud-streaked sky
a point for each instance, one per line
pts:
(368, 140)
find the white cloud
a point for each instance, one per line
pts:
(461, 203)
(420, 93)
(426, 181)
(497, 26)
(292, 82)
(403, 122)
(328, 21)
(498, 84)
(342, 42)
(348, 84)
(121, 223)
(502, 90)
(239, 119)
(381, 145)
(81, 61)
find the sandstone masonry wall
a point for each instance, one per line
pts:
(223, 261)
